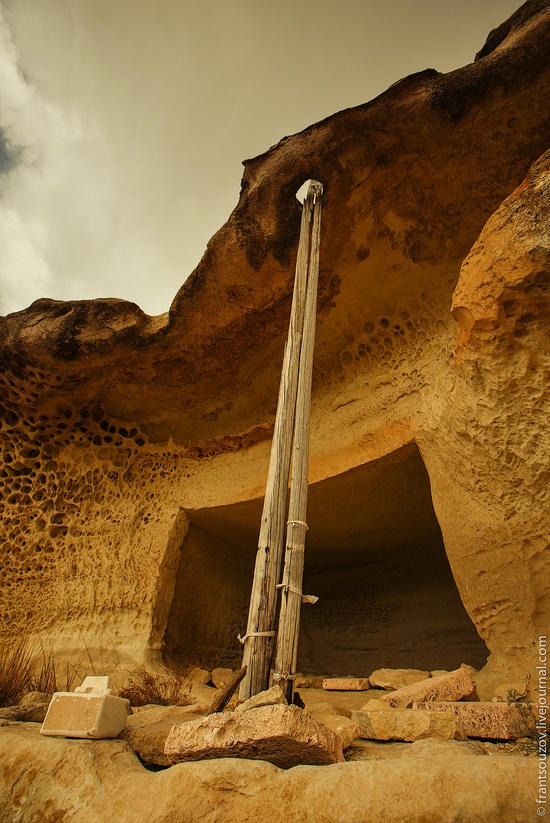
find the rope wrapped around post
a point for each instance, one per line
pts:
(289, 617)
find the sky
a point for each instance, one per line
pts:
(124, 123)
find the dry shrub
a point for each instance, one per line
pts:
(17, 660)
(165, 688)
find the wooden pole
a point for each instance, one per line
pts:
(291, 586)
(260, 632)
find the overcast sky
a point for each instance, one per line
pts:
(124, 122)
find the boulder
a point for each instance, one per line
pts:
(283, 735)
(396, 678)
(491, 721)
(405, 724)
(346, 684)
(457, 685)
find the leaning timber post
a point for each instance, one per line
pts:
(260, 632)
(291, 586)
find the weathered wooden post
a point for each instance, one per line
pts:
(259, 638)
(291, 586)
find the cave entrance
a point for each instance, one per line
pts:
(375, 557)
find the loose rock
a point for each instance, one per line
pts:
(346, 684)
(283, 735)
(457, 685)
(269, 697)
(406, 724)
(396, 678)
(491, 721)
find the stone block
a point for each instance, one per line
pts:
(406, 724)
(340, 723)
(94, 685)
(396, 678)
(283, 735)
(346, 684)
(269, 697)
(491, 721)
(457, 685)
(72, 714)
(308, 681)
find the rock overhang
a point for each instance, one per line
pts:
(103, 402)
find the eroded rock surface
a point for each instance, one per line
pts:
(46, 779)
(135, 449)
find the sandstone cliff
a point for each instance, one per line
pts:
(135, 449)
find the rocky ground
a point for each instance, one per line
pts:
(429, 776)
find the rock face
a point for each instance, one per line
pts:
(135, 449)
(283, 735)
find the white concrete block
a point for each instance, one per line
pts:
(94, 685)
(72, 714)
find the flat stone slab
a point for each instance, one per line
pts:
(491, 721)
(346, 684)
(146, 731)
(406, 724)
(396, 678)
(283, 735)
(457, 685)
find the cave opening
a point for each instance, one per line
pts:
(375, 557)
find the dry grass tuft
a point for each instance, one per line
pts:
(52, 675)
(166, 688)
(17, 660)
(29, 667)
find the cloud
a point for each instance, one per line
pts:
(37, 136)
(123, 124)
